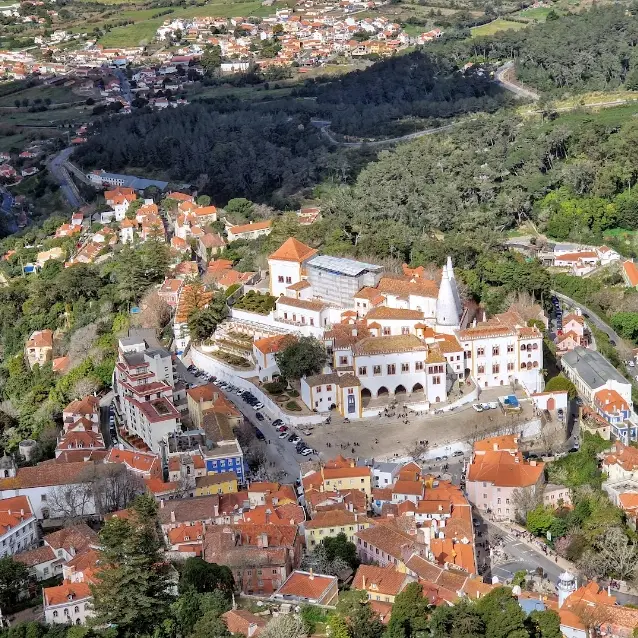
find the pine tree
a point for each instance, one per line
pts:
(132, 590)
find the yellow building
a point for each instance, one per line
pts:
(340, 474)
(222, 483)
(331, 523)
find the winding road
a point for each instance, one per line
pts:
(57, 168)
(591, 317)
(500, 77)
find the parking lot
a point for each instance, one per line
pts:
(285, 448)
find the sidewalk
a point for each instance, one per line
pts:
(508, 528)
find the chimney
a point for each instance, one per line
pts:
(363, 582)
(532, 463)
(215, 509)
(162, 504)
(21, 512)
(172, 516)
(312, 574)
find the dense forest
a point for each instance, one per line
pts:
(592, 51)
(415, 85)
(230, 154)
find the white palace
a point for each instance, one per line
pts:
(388, 334)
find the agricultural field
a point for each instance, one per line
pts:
(538, 14)
(495, 26)
(57, 94)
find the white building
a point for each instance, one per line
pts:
(18, 526)
(286, 264)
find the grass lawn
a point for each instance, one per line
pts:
(57, 94)
(539, 13)
(614, 116)
(495, 26)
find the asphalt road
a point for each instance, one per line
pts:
(62, 177)
(518, 89)
(591, 317)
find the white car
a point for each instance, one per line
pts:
(493, 405)
(486, 406)
(478, 407)
(258, 406)
(307, 452)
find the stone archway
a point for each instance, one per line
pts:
(400, 391)
(366, 395)
(383, 392)
(417, 388)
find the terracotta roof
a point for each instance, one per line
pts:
(46, 474)
(269, 345)
(36, 556)
(306, 585)
(200, 508)
(625, 455)
(207, 392)
(77, 538)
(631, 271)
(66, 592)
(504, 442)
(610, 401)
(629, 501)
(389, 344)
(140, 461)
(414, 488)
(584, 254)
(41, 339)
(301, 303)
(381, 580)
(293, 250)
(300, 285)
(405, 288)
(247, 228)
(388, 539)
(343, 381)
(505, 470)
(180, 197)
(14, 511)
(186, 533)
(572, 317)
(239, 621)
(383, 312)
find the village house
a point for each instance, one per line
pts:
(39, 347)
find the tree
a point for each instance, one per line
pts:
(539, 520)
(290, 626)
(339, 547)
(364, 622)
(203, 577)
(626, 324)
(211, 59)
(154, 313)
(338, 627)
(501, 614)
(460, 621)
(561, 383)
(203, 200)
(409, 613)
(301, 356)
(210, 625)
(13, 581)
(133, 589)
(617, 555)
(318, 561)
(71, 502)
(203, 322)
(240, 206)
(544, 624)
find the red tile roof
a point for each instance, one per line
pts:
(306, 585)
(381, 580)
(293, 250)
(66, 592)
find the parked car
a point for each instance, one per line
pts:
(282, 428)
(493, 405)
(478, 407)
(277, 422)
(259, 434)
(258, 406)
(458, 453)
(283, 435)
(307, 452)
(259, 416)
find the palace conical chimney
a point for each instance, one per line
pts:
(447, 315)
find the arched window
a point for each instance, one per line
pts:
(523, 365)
(523, 348)
(55, 614)
(76, 609)
(535, 346)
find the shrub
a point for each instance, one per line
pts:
(293, 406)
(275, 387)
